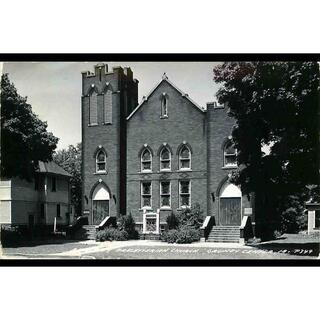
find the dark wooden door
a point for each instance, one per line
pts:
(230, 211)
(100, 209)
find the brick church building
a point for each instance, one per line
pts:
(157, 157)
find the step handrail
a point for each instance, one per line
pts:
(246, 230)
(206, 227)
(103, 223)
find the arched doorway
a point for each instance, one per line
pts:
(230, 205)
(100, 204)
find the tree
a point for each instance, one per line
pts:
(274, 104)
(24, 137)
(70, 159)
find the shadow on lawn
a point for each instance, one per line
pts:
(311, 248)
(37, 242)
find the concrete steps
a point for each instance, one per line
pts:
(224, 234)
(87, 232)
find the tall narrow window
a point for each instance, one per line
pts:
(165, 192)
(93, 108)
(230, 155)
(165, 159)
(146, 160)
(101, 162)
(146, 197)
(164, 106)
(53, 184)
(107, 107)
(184, 193)
(58, 210)
(184, 158)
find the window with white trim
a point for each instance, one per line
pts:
(101, 162)
(146, 194)
(164, 106)
(146, 161)
(93, 108)
(184, 158)
(165, 194)
(165, 159)
(184, 193)
(229, 155)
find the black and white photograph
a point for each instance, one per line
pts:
(160, 160)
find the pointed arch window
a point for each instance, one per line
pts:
(101, 162)
(164, 106)
(229, 155)
(146, 161)
(93, 108)
(185, 158)
(165, 159)
(107, 107)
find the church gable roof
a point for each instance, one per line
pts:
(165, 79)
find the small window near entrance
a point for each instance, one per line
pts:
(230, 155)
(101, 162)
(58, 210)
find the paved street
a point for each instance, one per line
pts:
(287, 247)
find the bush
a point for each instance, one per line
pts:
(110, 234)
(192, 217)
(127, 224)
(172, 221)
(182, 235)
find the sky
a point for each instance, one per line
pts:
(54, 88)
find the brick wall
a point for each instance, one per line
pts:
(184, 123)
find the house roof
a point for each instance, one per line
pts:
(165, 79)
(52, 168)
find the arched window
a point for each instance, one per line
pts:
(185, 158)
(146, 160)
(93, 108)
(164, 106)
(229, 155)
(101, 162)
(165, 159)
(107, 107)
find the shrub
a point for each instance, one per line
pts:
(127, 223)
(172, 221)
(110, 234)
(170, 236)
(192, 217)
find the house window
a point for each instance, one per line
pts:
(184, 193)
(230, 155)
(185, 158)
(93, 108)
(146, 198)
(42, 211)
(107, 107)
(101, 162)
(53, 184)
(58, 210)
(164, 106)
(36, 182)
(165, 192)
(165, 159)
(146, 160)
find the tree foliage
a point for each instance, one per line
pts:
(24, 137)
(274, 104)
(70, 159)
